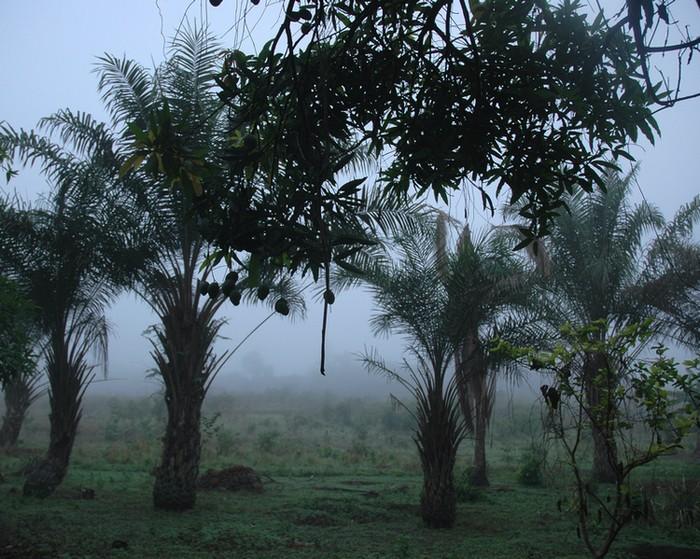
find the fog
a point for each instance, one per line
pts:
(48, 51)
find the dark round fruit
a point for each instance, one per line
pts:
(282, 307)
(215, 3)
(255, 2)
(263, 292)
(329, 296)
(305, 14)
(235, 298)
(306, 27)
(203, 288)
(232, 277)
(227, 287)
(214, 290)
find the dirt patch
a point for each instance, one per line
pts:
(664, 552)
(362, 492)
(235, 478)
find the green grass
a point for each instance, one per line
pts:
(340, 490)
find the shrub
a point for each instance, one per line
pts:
(530, 470)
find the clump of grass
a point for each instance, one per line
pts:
(466, 491)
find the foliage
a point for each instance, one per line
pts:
(644, 400)
(599, 265)
(530, 469)
(17, 333)
(70, 256)
(449, 94)
(603, 266)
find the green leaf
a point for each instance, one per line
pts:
(134, 162)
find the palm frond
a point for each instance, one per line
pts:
(127, 89)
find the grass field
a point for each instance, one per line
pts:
(341, 481)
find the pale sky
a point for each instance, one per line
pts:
(47, 52)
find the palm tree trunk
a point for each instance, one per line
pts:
(599, 384)
(479, 477)
(473, 399)
(18, 397)
(67, 386)
(438, 501)
(438, 439)
(175, 484)
(182, 356)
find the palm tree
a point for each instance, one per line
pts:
(175, 276)
(603, 269)
(672, 282)
(67, 256)
(413, 300)
(451, 304)
(496, 302)
(19, 374)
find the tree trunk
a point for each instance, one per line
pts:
(48, 475)
(478, 475)
(600, 383)
(176, 477)
(68, 380)
(18, 397)
(438, 501)
(474, 401)
(696, 452)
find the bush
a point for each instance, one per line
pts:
(530, 470)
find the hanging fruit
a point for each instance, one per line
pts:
(203, 288)
(214, 290)
(263, 292)
(282, 306)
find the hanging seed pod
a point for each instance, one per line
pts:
(329, 296)
(214, 290)
(282, 306)
(263, 292)
(215, 3)
(235, 298)
(203, 288)
(229, 283)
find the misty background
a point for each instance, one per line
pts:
(48, 53)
